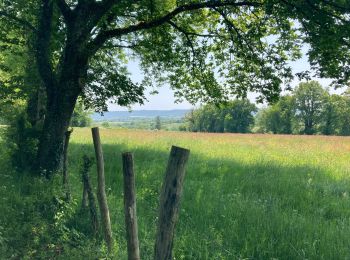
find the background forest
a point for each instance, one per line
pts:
(309, 109)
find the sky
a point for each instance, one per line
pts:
(165, 100)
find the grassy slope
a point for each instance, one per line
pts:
(245, 196)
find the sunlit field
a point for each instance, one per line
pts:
(245, 196)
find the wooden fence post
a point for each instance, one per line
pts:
(101, 192)
(65, 163)
(169, 202)
(130, 207)
(85, 199)
(88, 194)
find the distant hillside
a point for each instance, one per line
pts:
(141, 114)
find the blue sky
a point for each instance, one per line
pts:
(165, 100)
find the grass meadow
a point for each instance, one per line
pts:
(245, 197)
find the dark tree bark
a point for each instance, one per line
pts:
(90, 198)
(56, 123)
(62, 93)
(170, 202)
(65, 179)
(63, 86)
(101, 189)
(309, 127)
(130, 207)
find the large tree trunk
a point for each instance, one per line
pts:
(309, 127)
(60, 107)
(64, 82)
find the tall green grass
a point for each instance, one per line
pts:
(245, 197)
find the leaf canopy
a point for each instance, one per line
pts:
(206, 51)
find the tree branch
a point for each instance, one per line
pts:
(23, 23)
(187, 33)
(90, 12)
(315, 7)
(103, 36)
(339, 7)
(189, 41)
(120, 45)
(43, 46)
(315, 21)
(97, 9)
(231, 27)
(65, 9)
(107, 4)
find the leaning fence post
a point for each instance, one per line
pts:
(101, 192)
(169, 202)
(88, 195)
(130, 207)
(85, 199)
(65, 163)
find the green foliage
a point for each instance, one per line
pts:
(204, 53)
(20, 83)
(28, 212)
(277, 118)
(21, 137)
(13, 61)
(309, 105)
(158, 124)
(37, 222)
(108, 81)
(239, 116)
(344, 114)
(187, 59)
(147, 123)
(236, 117)
(309, 110)
(18, 71)
(331, 116)
(105, 125)
(81, 117)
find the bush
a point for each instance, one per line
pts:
(105, 124)
(236, 116)
(81, 116)
(20, 136)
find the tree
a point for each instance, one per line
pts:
(239, 116)
(81, 117)
(207, 118)
(344, 113)
(236, 116)
(311, 108)
(158, 124)
(277, 118)
(80, 50)
(269, 120)
(331, 117)
(309, 104)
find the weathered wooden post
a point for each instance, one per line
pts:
(65, 163)
(85, 199)
(88, 194)
(170, 202)
(130, 207)
(101, 192)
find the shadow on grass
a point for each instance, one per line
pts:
(231, 209)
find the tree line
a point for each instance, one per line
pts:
(236, 116)
(308, 109)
